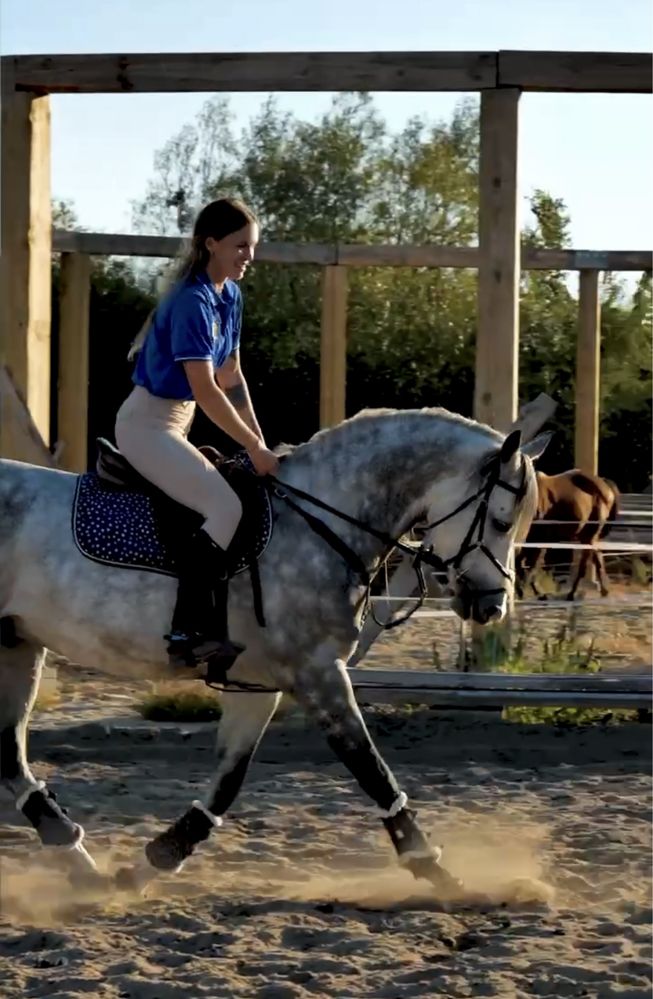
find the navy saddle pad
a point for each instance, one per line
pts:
(131, 529)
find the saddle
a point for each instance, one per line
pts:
(121, 519)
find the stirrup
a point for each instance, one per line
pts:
(186, 650)
(218, 666)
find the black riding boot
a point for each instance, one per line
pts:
(199, 623)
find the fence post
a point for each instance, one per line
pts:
(333, 345)
(497, 340)
(25, 258)
(588, 363)
(72, 374)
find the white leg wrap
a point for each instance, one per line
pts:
(20, 801)
(215, 819)
(397, 806)
(83, 852)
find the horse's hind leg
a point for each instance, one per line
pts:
(326, 694)
(597, 556)
(20, 673)
(245, 717)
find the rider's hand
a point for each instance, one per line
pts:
(264, 461)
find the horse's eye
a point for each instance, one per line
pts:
(501, 526)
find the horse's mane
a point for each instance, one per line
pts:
(489, 436)
(364, 417)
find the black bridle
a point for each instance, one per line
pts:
(421, 554)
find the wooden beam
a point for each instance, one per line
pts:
(569, 682)
(72, 375)
(381, 686)
(613, 72)
(497, 342)
(21, 439)
(584, 72)
(254, 71)
(533, 415)
(355, 255)
(25, 238)
(333, 356)
(534, 259)
(398, 255)
(132, 245)
(588, 366)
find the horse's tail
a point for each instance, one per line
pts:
(614, 508)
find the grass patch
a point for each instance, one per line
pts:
(180, 704)
(502, 652)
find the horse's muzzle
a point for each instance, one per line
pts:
(481, 607)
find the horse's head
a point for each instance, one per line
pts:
(474, 531)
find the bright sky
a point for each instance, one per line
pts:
(595, 151)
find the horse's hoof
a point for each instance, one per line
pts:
(88, 880)
(82, 872)
(428, 868)
(134, 879)
(125, 879)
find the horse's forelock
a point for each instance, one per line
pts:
(527, 509)
(527, 504)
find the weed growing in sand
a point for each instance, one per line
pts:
(499, 649)
(180, 705)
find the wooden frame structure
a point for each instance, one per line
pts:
(25, 219)
(495, 407)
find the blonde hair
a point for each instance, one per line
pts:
(218, 219)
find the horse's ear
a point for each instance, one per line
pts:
(536, 448)
(510, 446)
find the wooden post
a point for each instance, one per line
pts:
(25, 258)
(333, 355)
(72, 375)
(588, 363)
(20, 438)
(497, 342)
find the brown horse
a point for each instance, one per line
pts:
(579, 508)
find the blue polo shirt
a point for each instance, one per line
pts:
(193, 322)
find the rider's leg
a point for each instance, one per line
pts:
(151, 433)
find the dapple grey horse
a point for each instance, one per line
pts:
(474, 490)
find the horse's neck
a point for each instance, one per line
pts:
(379, 469)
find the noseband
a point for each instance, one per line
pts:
(477, 526)
(421, 554)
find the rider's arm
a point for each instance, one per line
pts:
(213, 401)
(192, 345)
(192, 342)
(231, 380)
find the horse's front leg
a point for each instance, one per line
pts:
(580, 574)
(325, 692)
(244, 719)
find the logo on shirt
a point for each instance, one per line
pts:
(215, 329)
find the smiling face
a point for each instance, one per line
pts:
(230, 256)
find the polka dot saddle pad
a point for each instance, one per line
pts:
(124, 527)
